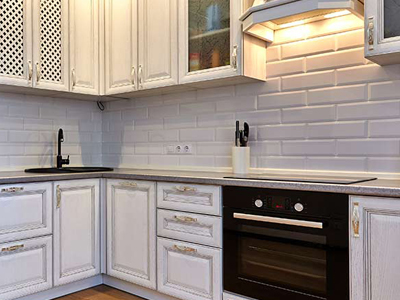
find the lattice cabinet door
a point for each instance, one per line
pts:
(84, 46)
(16, 42)
(50, 44)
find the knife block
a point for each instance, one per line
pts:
(241, 160)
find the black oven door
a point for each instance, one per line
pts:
(275, 257)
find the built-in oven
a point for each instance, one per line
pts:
(281, 245)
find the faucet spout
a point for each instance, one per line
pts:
(60, 160)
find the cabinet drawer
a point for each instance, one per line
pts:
(25, 211)
(25, 267)
(205, 199)
(188, 271)
(189, 227)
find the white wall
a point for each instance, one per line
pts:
(323, 107)
(29, 126)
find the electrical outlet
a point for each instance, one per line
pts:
(187, 149)
(180, 149)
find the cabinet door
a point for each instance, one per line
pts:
(121, 46)
(76, 230)
(189, 271)
(382, 28)
(84, 46)
(16, 42)
(25, 267)
(158, 43)
(374, 248)
(131, 231)
(210, 39)
(50, 44)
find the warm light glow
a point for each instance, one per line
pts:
(337, 14)
(291, 24)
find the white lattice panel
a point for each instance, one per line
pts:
(12, 37)
(50, 40)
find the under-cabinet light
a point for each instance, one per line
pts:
(337, 14)
(291, 24)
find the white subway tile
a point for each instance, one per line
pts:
(163, 160)
(385, 90)
(214, 149)
(260, 117)
(53, 112)
(269, 148)
(280, 100)
(384, 164)
(216, 120)
(335, 60)
(171, 135)
(3, 136)
(337, 130)
(368, 73)
(369, 110)
(281, 132)
(26, 111)
(223, 161)
(307, 47)
(197, 161)
(11, 123)
(368, 147)
(23, 136)
(177, 98)
(148, 148)
(308, 114)
(196, 135)
(339, 94)
(76, 114)
(350, 39)
(273, 53)
(180, 122)
(285, 67)
(197, 108)
(135, 136)
(307, 148)
(12, 149)
(219, 92)
(111, 137)
(134, 160)
(384, 128)
(282, 162)
(309, 80)
(271, 85)
(163, 111)
(134, 114)
(336, 164)
(244, 103)
(3, 110)
(38, 124)
(148, 124)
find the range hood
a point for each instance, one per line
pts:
(263, 19)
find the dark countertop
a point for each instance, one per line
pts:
(380, 187)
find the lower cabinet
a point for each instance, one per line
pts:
(189, 271)
(76, 230)
(26, 267)
(374, 248)
(131, 231)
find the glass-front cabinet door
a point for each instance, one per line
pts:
(382, 25)
(210, 39)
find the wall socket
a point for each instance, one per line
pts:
(180, 149)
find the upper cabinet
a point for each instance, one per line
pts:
(84, 46)
(382, 27)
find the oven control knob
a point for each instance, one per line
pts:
(299, 207)
(259, 203)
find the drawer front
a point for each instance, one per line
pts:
(25, 211)
(204, 199)
(194, 228)
(26, 267)
(189, 271)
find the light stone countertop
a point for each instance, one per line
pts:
(380, 187)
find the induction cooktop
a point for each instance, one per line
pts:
(304, 178)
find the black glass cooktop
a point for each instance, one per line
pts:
(305, 178)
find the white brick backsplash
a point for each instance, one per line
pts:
(337, 94)
(11, 123)
(272, 85)
(384, 128)
(148, 148)
(134, 114)
(135, 136)
(372, 147)
(368, 73)
(265, 148)
(350, 39)
(339, 59)
(215, 149)
(308, 114)
(196, 135)
(3, 136)
(385, 90)
(273, 53)
(384, 165)
(337, 130)
(180, 122)
(198, 161)
(148, 124)
(308, 148)
(171, 135)
(336, 164)
(24, 136)
(281, 132)
(281, 162)
(244, 103)
(311, 80)
(279, 100)
(369, 110)
(28, 111)
(163, 111)
(260, 117)
(12, 149)
(285, 67)
(219, 92)
(312, 46)
(216, 120)
(163, 160)
(197, 108)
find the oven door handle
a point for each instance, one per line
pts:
(292, 222)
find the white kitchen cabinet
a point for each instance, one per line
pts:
(121, 46)
(25, 211)
(382, 31)
(374, 248)
(212, 46)
(189, 271)
(76, 230)
(84, 46)
(25, 267)
(50, 45)
(131, 231)
(158, 43)
(16, 66)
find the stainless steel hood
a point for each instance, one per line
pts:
(263, 19)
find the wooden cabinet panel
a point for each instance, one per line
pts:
(189, 271)
(84, 46)
(26, 267)
(374, 255)
(131, 231)
(76, 230)
(158, 43)
(25, 211)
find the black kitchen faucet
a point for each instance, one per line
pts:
(60, 160)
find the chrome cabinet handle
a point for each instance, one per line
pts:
(73, 77)
(38, 72)
(185, 219)
(185, 189)
(30, 70)
(371, 33)
(234, 56)
(355, 220)
(184, 249)
(58, 195)
(12, 248)
(133, 75)
(140, 73)
(283, 221)
(12, 190)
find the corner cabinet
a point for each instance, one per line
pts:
(131, 231)
(76, 230)
(374, 248)
(382, 28)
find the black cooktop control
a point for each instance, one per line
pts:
(279, 203)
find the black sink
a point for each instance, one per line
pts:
(68, 170)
